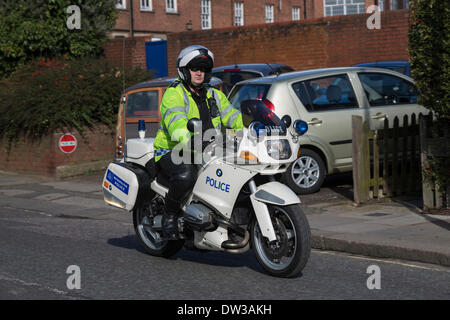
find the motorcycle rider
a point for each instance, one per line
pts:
(188, 97)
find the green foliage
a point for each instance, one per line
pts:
(47, 95)
(38, 28)
(429, 41)
(438, 172)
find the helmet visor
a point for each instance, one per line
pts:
(202, 63)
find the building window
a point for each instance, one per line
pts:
(171, 5)
(146, 5)
(399, 4)
(121, 4)
(206, 14)
(343, 7)
(295, 13)
(269, 13)
(238, 13)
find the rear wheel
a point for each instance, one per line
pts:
(289, 253)
(149, 238)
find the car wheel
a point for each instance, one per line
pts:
(306, 174)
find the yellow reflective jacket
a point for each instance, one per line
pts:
(178, 106)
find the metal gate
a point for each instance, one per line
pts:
(156, 57)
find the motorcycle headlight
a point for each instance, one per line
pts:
(279, 149)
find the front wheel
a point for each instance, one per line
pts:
(149, 237)
(289, 253)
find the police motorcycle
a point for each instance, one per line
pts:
(235, 205)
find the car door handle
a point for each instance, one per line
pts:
(314, 121)
(380, 116)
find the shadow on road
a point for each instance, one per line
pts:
(127, 242)
(225, 259)
(211, 258)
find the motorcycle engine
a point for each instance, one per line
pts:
(199, 217)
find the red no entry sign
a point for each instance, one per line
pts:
(67, 143)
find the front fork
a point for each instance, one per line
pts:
(262, 214)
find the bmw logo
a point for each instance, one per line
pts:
(219, 172)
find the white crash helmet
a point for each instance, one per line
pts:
(197, 56)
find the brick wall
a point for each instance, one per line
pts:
(305, 44)
(351, 42)
(43, 157)
(323, 42)
(126, 52)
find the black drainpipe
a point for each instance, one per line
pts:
(131, 19)
(304, 9)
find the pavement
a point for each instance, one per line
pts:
(394, 229)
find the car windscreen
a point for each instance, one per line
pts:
(231, 77)
(397, 69)
(142, 104)
(243, 92)
(280, 70)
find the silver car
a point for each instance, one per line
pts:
(326, 99)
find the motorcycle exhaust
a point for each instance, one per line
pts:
(230, 245)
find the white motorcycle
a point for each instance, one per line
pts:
(236, 202)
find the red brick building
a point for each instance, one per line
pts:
(328, 8)
(157, 18)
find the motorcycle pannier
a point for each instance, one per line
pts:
(125, 185)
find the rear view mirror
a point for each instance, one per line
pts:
(286, 120)
(194, 125)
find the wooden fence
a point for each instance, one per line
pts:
(386, 162)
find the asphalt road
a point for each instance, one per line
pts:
(37, 248)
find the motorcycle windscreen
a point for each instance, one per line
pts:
(257, 111)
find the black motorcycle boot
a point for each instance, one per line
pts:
(170, 220)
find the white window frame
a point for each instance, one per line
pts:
(295, 13)
(171, 6)
(206, 14)
(269, 13)
(121, 4)
(344, 3)
(146, 5)
(238, 13)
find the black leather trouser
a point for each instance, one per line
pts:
(181, 177)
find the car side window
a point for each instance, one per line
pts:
(143, 104)
(326, 93)
(384, 89)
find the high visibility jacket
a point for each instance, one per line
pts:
(178, 106)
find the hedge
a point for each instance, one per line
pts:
(47, 95)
